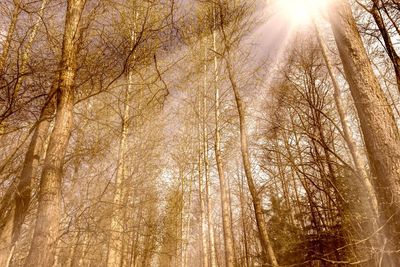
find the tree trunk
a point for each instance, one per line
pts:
(206, 169)
(187, 225)
(259, 213)
(47, 222)
(378, 126)
(226, 213)
(115, 252)
(204, 247)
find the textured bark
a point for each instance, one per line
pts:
(378, 126)
(46, 230)
(226, 212)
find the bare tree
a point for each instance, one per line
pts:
(47, 223)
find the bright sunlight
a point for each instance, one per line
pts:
(300, 12)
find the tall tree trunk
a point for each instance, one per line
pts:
(259, 213)
(114, 257)
(210, 220)
(204, 247)
(226, 213)
(378, 126)
(46, 230)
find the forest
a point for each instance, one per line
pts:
(199, 133)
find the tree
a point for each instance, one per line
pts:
(381, 136)
(47, 223)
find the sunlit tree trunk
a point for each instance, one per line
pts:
(378, 126)
(49, 210)
(226, 213)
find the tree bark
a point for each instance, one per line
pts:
(46, 230)
(378, 126)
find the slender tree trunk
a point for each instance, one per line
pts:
(187, 226)
(47, 222)
(259, 213)
(378, 126)
(226, 213)
(206, 168)
(115, 246)
(115, 252)
(203, 218)
(243, 218)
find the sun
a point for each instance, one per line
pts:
(300, 12)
